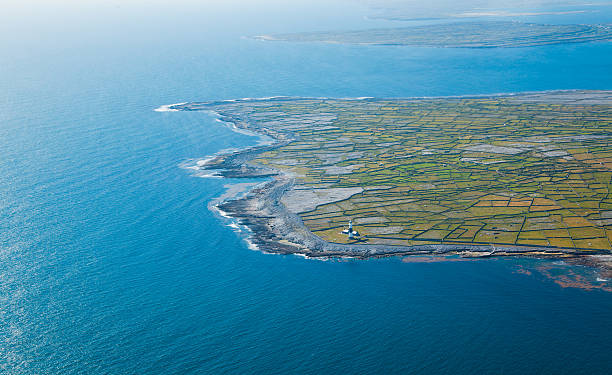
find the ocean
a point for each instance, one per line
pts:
(112, 263)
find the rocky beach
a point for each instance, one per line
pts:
(270, 210)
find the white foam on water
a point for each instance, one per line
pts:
(237, 228)
(320, 259)
(221, 212)
(196, 165)
(202, 162)
(168, 107)
(358, 98)
(251, 245)
(208, 175)
(264, 98)
(263, 139)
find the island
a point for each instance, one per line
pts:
(485, 34)
(439, 10)
(524, 174)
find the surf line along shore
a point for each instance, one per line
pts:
(277, 228)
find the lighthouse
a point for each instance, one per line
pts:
(350, 232)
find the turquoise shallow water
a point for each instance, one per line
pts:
(110, 261)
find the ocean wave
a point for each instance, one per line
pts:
(263, 140)
(462, 96)
(221, 212)
(168, 107)
(195, 165)
(251, 245)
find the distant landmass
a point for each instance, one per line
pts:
(443, 9)
(526, 174)
(459, 35)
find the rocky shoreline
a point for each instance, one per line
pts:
(274, 229)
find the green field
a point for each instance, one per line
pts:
(530, 170)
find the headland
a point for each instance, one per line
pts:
(507, 175)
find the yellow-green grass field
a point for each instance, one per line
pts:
(502, 170)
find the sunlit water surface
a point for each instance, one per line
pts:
(110, 261)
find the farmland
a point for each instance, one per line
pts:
(528, 170)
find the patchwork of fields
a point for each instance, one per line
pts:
(532, 170)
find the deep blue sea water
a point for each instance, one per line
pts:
(110, 261)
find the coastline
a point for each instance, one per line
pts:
(273, 228)
(512, 34)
